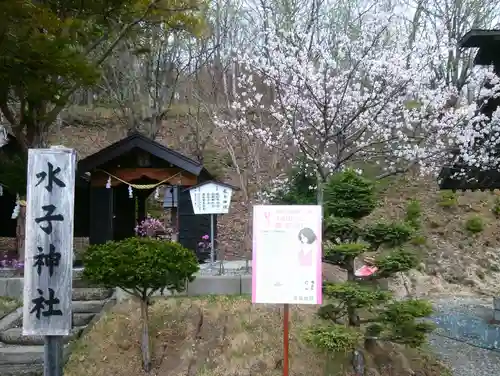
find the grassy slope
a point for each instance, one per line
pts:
(222, 336)
(449, 251)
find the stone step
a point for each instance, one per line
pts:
(21, 355)
(15, 336)
(82, 319)
(79, 319)
(83, 312)
(77, 273)
(91, 293)
(88, 306)
(21, 369)
(12, 319)
(81, 283)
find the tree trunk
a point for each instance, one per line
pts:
(20, 232)
(351, 311)
(319, 189)
(349, 267)
(146, 351)
(358, 362)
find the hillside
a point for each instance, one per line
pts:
(221, 336)
(458, 243)
(452, 256)
(460, 235)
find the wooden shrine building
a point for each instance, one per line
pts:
(8, 195)
(112, 186)
(110, 196)
(458, 175)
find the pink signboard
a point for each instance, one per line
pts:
(286, 260)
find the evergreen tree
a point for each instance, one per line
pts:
(299, 186)
(359, 309)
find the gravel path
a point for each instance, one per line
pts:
(464, 359)
(462, 335)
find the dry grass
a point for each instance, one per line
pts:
(221, 336)
(7, 305)
(450, 253)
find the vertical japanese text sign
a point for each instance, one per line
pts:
(48, 263)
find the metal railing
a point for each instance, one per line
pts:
(236, 266)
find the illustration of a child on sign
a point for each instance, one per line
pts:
(307, 238)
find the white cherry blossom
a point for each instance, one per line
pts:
(348, 99)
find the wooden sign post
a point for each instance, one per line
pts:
(211, 197)
(286, 339)
(48, 266)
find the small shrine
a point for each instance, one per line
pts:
(113, 185)
(8, 198)
(459, 176)
(110, 198)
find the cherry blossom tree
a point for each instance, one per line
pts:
(345, 96)
(445, 22)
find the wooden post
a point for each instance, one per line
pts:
(141, 205)
(48, 266)
(53, 356)
(21, 232)
(212, 241)
(284, 231)
(286, 339)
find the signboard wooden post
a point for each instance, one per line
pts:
(48, 266)
(288, 236)
(211, 198)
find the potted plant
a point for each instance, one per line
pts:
(11, 267)
(204, 249)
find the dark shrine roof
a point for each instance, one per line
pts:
(139, 141)
(12, 144)
(488, 42)
(234, 188)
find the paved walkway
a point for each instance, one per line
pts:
(464, 338)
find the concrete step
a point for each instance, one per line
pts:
(79, 319)
(21, 355)
(83, 312)
(82, 319)
(87, 306)
(82, 283)
(91, 293)
(21, 369)
(15, 336)
(12, 319)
